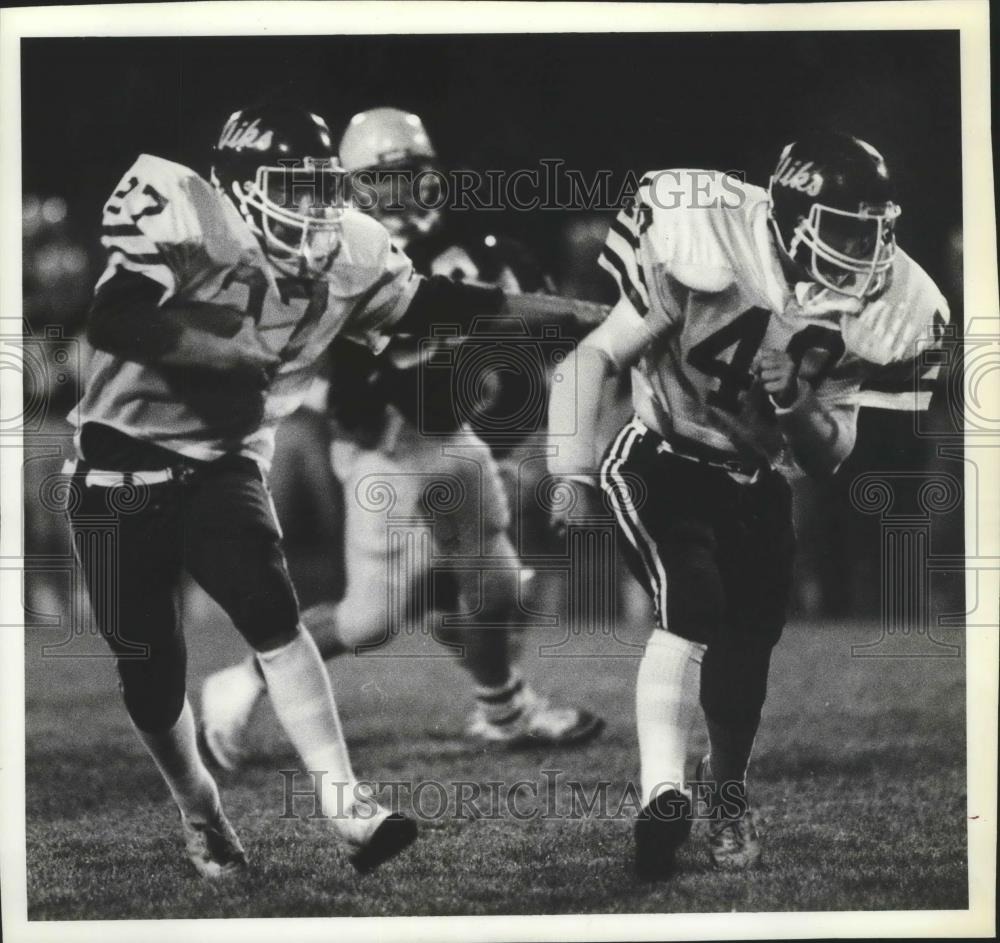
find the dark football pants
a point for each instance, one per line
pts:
(716, 557)
(218, 524)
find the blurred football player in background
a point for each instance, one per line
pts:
(393, 427)
(756, 323)
(217, 300)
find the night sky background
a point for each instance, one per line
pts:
(621, 102)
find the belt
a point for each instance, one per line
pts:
(100, 478)
(695, 451)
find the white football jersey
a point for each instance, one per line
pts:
(167, 223)
(693, 257)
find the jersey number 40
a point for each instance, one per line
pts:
(747, 332)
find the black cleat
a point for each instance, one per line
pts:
(661, 828)
(213, 847)
(394, 833)
(733, 841)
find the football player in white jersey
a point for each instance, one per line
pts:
(755, 323)
(379, 407)
(217, 299)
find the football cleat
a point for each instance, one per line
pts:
(533, 721)
(213, 846)
(391, 836)
(733, 842)
(372, 834)
(228, 700)
(660, 829)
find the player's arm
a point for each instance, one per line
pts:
(575, 403)
(820, 434)
(438, 300)
(396, 301)
(128, 320)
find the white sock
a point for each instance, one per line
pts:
(666, 696)
(300, 691)
(175, 753)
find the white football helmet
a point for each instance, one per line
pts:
(394, 171)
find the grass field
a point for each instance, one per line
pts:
(858, 780)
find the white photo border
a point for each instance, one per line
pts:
(252, 18)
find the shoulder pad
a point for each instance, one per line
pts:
(909, 316)
(170, 203)
(697, 220)
(915, 294)
(366, 241)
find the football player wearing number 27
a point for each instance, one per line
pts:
(755, 323)
(218, 298)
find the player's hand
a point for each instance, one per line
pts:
(778, 374)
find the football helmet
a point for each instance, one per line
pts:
(277, 165)
(833, 214)
(394, 172)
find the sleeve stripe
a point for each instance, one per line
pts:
(902, 385)
(628, 255)
(140, 258)
(911, 402)
(610, 257)
(123, 229)
(627, 234)
(624, 231)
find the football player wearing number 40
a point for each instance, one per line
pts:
(217, 300)
(756, 323)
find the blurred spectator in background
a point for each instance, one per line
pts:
(57, 270)
(57, 278)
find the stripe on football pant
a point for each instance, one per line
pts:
(614, 485)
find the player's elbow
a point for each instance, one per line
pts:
(594, 364)
(109, 329)
(121, 308)
(823, 462)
